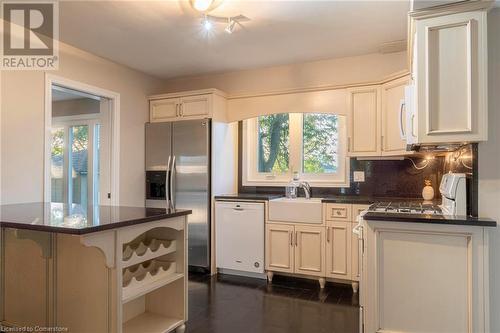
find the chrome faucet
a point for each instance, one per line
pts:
(307, 189)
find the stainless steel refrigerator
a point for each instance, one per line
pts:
(178, 175)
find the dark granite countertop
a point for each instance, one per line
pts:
(370, 200)
(361, 200)
(434, 219)
(59, 218)
(248, 196)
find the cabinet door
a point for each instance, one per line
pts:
(163, 110)
(195, 106)
(310, 250)
(355, 254)
(338, 250)
(279, 247)
(394, 117)
(364, 121)
(451, 78)
(355, 243)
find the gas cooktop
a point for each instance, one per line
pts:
(406, 207)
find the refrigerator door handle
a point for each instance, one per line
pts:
(171, 189)
(167, 187)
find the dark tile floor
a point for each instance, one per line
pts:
(230, 304)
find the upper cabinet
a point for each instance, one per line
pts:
(188, 105)
(363, 105)
(394, 117)
(449, 69)
(377, 119)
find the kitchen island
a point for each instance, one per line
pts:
(94, 269)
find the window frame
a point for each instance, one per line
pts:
(251, 176)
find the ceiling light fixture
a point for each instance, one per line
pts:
(207, 24)
(202, 5)
(230, 26)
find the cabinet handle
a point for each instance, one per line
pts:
(180, 110)
(402, 107)
(296, 238)
(413, 126)
(291, 238)
(177, 110)
(328, 234)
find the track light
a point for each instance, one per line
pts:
(207, 24)
(230, 26)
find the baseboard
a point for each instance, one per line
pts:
(242, 273)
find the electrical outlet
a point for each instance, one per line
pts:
(359, 176)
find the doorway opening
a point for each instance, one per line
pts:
(81, 158)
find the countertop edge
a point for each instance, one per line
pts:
(449, 220)
(92, 229)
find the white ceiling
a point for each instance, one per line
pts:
(165, 39)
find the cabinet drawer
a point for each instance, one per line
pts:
(356, 210)
(338, 212)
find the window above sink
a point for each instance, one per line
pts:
(313, 145)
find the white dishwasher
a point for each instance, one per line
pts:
(239, 238)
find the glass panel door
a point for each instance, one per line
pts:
(56, 165)
(78, 165)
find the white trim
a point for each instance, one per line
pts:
(114, 98)
(250, 176)
(1, 113)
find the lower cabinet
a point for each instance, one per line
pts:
(355, 257)
(279, 247)
(330, 250)
(309, 253)
(338, 250)
(295, 249)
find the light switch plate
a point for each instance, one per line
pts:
(359, 176)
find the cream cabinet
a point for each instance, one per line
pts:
(324, 251)
(209, 103)
(309, 250)
(280, 247)
(164, 110)
(377, 119)
(450, 75)
(394, 117)
(356, 244)
(338, 250)
(364, 110)
(437, 271)
(295, 249)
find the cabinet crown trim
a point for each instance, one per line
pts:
(188, 93)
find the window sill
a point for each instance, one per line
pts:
(283, 184)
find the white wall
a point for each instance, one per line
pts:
(489, 165)
(22, 123)
(341, 71)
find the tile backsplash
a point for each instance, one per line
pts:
(402, 178)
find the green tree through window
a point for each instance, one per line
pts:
(273, 143)
(320, 143)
